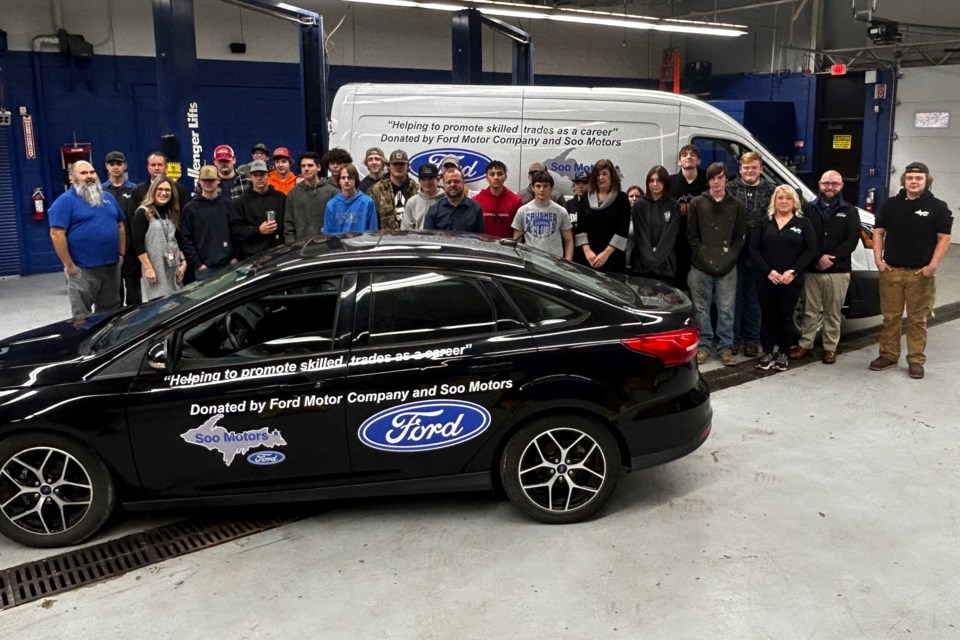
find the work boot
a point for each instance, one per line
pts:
(881, 363)
(728, 359)
(702, 356)
(751, 350)
(915, 370)
(799, 353)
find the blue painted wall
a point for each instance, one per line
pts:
(111, 102)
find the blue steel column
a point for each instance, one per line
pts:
(522, 63)
(467, 47)
(313, 85)
(176, 45)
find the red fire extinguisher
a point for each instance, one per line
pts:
(39, 207)
(868, 202)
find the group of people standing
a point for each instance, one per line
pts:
(746, 247)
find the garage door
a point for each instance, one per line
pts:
(927, 126)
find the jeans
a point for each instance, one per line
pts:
(908, 288)
(94, 290)
(746, 318)
(706, 290)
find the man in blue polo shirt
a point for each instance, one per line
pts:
(86, 227)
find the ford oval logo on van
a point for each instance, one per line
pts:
(474, 164)
(264, 458)
(424, 425)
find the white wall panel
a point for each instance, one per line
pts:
(927, 90)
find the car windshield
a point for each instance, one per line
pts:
(577, 277)
(144, 317)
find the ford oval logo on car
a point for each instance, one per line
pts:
(474, 164)
(424, 425)
(264, 458)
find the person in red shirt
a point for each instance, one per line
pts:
(499, 204)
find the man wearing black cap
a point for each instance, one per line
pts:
(580, 183)
(416, 208)
(121, 189)
(910, 239)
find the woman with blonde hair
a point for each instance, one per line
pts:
(155, 227)
(781, 247)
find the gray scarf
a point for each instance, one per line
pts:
(595, 203)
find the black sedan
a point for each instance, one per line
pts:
(350, 366)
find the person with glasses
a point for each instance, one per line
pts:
(155, 228)
(837, 226)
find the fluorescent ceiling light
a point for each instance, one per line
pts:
(574, 16)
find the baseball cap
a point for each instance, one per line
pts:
(258, 165)
(208, 172)
(374, 151)
(916, 167)
(281, 152)
(450, 159)
(581, 176)
(260, 147)
(428, 170)
(399, 156)
(223, 152)
(537, 166)
(115, 156)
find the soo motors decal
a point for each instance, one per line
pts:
(424, 425)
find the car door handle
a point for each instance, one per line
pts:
(491, 367)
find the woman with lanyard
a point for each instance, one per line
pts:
(603, 222)
(154, 230)
(781, 248)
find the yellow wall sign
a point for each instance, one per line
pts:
(174, 170)
(842, 142)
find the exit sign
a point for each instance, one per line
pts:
(838, 70)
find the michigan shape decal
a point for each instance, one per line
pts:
(424, 425)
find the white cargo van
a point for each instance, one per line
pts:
(567, 129)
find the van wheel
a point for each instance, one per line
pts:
(54, 492)
(560, 470)
(798, 319)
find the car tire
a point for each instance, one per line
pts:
(54, 492)
(560, 469)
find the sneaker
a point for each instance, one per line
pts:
(702, 356)
(781, 362)
(728, 359)
(881, 363)
(766, 361)
(751, 350)
(916, 371)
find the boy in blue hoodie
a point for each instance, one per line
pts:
(350, 210)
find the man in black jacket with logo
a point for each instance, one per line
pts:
(910, 239)
(837, 225)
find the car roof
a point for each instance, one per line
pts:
(388, 245)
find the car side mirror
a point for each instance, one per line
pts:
(162, 355)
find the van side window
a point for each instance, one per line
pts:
(728, 152)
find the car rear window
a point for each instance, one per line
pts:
(577, 277)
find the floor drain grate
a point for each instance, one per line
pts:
(32, 581)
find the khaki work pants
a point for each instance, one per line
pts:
(826, 292)
(899, 289)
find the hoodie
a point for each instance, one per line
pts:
(498, 211)
(415, 211)
(343, 215)
(205, 232)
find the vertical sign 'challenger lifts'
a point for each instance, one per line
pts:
(424, 425)
(196, 149)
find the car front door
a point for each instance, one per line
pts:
(255, 400)
(436, 358)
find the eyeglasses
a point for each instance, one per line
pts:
(831, 184)
(164, 191)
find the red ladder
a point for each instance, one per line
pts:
(670, 62)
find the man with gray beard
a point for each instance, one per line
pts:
(86, 227)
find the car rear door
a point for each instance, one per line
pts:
(265, 414)
(437, 357)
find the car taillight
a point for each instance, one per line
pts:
(671, 347)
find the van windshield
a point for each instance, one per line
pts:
(729, 151)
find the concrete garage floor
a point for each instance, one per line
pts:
(823, 506)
